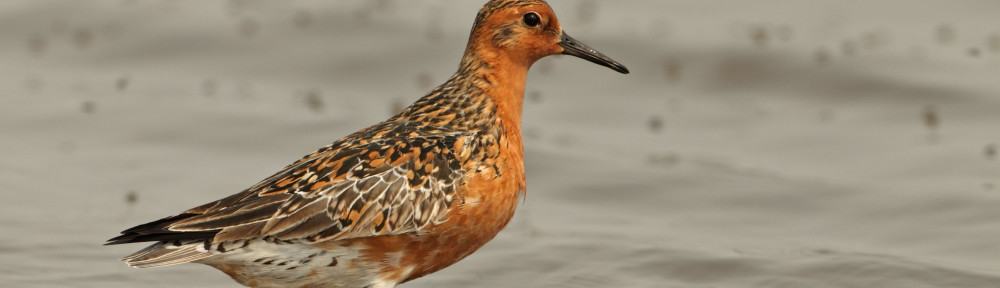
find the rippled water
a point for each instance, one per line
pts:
(755, 144)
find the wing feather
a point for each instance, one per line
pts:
(256, 209)
(345, 190)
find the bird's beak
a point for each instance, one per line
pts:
(572, 47)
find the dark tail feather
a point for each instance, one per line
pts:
(174, 236)
(156, 231)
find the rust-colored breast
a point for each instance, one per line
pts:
(485, 203)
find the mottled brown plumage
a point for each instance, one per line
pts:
(394, 201)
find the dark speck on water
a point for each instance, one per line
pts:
(849, 47)
(396, 106)
(131, 197)
(209, 87)
(822, 56)
(931, 120)
(535, 96)
(945, 34)
(314, 100)
(88, 107)
(82, 38)
(425, 81)
(674, 70)
(122, 83)
(656, 124)
(760, 36)
(974, 52)
(37, 44)
(993, 43)
(249, 28)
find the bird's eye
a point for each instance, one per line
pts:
(531, 19)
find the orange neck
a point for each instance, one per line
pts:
(502, 79)
(507, 91)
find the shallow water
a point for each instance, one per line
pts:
(756, 144)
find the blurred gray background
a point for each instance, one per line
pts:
(755, 144)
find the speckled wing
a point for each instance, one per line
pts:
(345, 190)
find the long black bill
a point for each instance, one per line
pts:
(575, 48)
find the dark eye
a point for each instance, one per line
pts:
(531, 19)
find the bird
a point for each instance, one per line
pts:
(394, 201)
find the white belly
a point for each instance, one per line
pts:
(265, 265)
